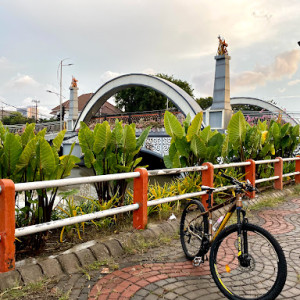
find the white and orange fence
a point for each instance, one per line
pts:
(8, 232)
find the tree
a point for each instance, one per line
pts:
(145, 99)
(16, 118)
(205, 103)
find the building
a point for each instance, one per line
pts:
(106, 109)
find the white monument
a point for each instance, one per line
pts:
(73, 105)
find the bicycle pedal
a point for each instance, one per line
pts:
(197, 261)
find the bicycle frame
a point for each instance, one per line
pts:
(236, 205)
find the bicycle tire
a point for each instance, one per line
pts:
(190, 226)
(267, 268)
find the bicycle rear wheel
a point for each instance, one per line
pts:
(193, 230)
(262, 273)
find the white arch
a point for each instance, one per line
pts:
(263, 104)
(185, 103)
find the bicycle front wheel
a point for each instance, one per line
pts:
(259, 273)
(193, 230)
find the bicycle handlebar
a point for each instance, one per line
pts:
(242, 185)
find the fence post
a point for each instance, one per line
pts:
(208, 180)
(278, 170)
(297, 169)
(140, 195)
(7, 225)
(250, 175)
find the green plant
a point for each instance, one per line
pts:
(190, 145)
(109, 152)
(29, 157)
(71, 210)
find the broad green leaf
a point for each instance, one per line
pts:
(195, 126)
(172, 125)
(168, 162)
(216, 140)
(27, 155)
(85, 137)
(187, 122)
(182, 146)
(89, 158)
(198, 147)
(42, 133)
(172, 150)
(102, 137)
(205, 134)
(57, 141)
(118, 132)
(129, 139)
(284, 129)
(2, 131)
(11, 153)
(45, 157)
(137, 161)
(237, 129)
(141, 139)
(28, 133)
(176, 161)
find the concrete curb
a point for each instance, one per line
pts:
(72, 260)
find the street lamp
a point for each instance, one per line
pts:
(57, 94)
(61, 65)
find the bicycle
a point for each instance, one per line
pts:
(246, 261)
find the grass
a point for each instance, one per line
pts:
(109, 263)
(267, 203)
(30, 291)
(141, 245)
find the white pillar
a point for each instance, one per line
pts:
(73, 105)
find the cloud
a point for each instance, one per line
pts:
(281, 90)
(284, 65)
(108, 75)
(294, 82)
(22, 81)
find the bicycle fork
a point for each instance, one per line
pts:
(243, 256)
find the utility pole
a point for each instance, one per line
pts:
(60, 91)
(36, 114)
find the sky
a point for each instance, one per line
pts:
(107, 38)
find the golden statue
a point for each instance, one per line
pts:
(74, 82)
(222, 49)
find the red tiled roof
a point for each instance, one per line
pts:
(106, 108)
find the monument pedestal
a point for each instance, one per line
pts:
(219, 115)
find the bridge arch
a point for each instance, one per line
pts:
(265, 105)
(183, 101)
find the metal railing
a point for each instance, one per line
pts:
(139, 207)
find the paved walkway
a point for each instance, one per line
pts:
(164, 273)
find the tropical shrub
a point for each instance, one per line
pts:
(109, 151)
(190, 145)
(29, 157)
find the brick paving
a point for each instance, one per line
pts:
(167, 275)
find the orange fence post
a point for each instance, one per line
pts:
(208, 180)
(297, 169)
(7, 225)
(278, 171)
(250, 175)
(140, 196)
